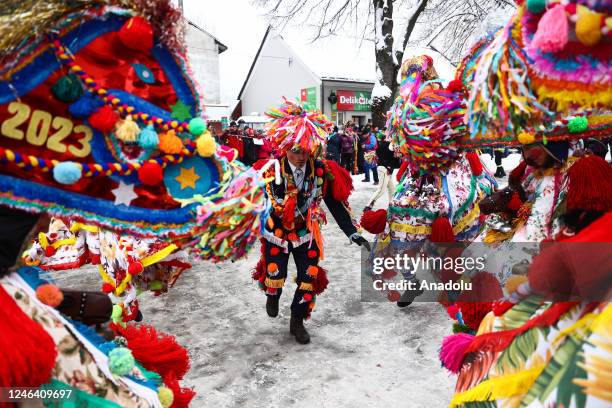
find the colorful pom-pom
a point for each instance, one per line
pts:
(206, 145)
(453, 349)
(166, 396)
(127, 130)
(278, 232)
(137, 34)
(121, 361)
(312, 271)
(67, 89)
(588, 26)
(197, 126)
(307, 297)
(148, 139)
(553, 30)
(536, 6)
(50, 251)
(272, 267)
(67, 172)
(85, 106)
(319, 172)
(49, 294)
(274, 251)
(150, 174)
(526, 138)
(578, 124)
(107, 287)
(104, 119)
(455, 86)
(515, 202)
(135, 268)
(170, 143)
(230, 154)
(311, 253)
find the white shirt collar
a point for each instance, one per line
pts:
(303, 168)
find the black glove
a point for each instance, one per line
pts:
(361, 241)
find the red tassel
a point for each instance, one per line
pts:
(515, 202)
(374, 221)
(475, 163)
(442, 231)
(137, 34)
(28, 351)
(320, 281)
(156, 351)
(104, 119)
(342, 186)
(182, 396)
(289, 213)
(402, 170)
(455, 86)
(516, 175)
(590, 185)
(473, 312)
(260, 163)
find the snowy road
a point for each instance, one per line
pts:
(361, 354)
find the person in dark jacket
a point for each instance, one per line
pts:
(334, 146)
(347, 150)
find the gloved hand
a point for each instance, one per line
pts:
(361, 241)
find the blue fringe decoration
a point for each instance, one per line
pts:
(85, 106)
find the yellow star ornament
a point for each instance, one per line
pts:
(187, 178)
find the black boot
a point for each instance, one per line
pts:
(272, 306)
(296, 327)
(409, 296)
(500, 172)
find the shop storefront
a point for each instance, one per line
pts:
(347, 100)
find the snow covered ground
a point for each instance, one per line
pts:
(360, 355)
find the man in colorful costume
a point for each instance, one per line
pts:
(101, 129)
(293, 225)
(439, 185)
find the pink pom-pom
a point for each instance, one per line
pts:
(552, 32)
(453, 349)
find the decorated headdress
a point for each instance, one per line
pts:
(100, 121)
(546, 76)
(295, 127)
(426, 120)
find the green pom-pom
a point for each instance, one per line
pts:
(578, 124)
(121, 361)
(67, 89)
(197, 126)
(117, 313)
(536, 6)
(166, 396)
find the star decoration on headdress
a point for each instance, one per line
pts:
(124, 194)
(181, 111)
(187, 178)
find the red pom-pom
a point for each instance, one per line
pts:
(455, 86)
(137, 34)
(452, 311)
(312, 253)
(135, 268)
(442, 231)
(150, 174)
(274, 251)
(474, 312)
(50, 295)
(388, 274)
(104, 119)
(50, 251)
(343, 183)
(320, 282)
(515, 202)
(374, 221)
(570, 8)
(307, 297)
(402, 170)
(475, 163)
(319, 172)
(107, 287)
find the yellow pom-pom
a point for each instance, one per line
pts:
(166, 396)
(588, 26)
(206, 145)
(513, 282)
(127, 130)
(170, 143)
(526, 138)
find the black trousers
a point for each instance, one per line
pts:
(347, 162)
(306, 261)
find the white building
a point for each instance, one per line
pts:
(203, 51)
(279, 71)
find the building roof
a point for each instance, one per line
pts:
(222, 47)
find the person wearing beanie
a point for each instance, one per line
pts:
(293, 227)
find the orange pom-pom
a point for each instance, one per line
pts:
(278, 232)
(50, 295)
(312, 271)
(272, 267)
(170, 143)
